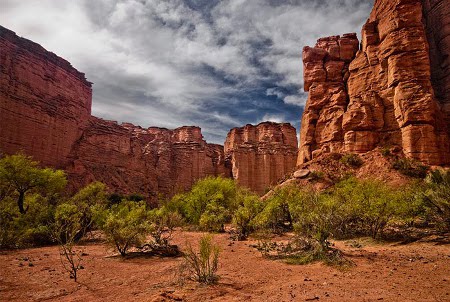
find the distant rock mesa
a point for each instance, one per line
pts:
(261, 155)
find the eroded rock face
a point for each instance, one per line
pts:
(150, 161)
(386, 96)
(261, 155)
(325, 73)
(45, 112)
(45, 103)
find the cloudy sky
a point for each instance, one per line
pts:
(217, 64)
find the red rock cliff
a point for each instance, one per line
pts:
(261, 155)
(45, 103)
(393, 92)
(149, 161)
(45, 107)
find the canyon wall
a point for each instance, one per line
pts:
(394, 91)
(45, 112)
(261, 155)
(148, 161)
(45, 103)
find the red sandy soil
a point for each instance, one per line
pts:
(383, 272)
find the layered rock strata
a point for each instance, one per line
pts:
(45, 103)
(145, 160)
(393, 92)
(45, 112)
(261, 155)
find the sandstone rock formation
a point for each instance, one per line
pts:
(153, 161)
(390, 93)
(45, 103)
(261, 155)
(45, 110)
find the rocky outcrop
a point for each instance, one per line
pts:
(261, 155)
(388, 94)
(45, 103)
(45, 110)
(150, 161)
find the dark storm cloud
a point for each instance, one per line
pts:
(216, 64)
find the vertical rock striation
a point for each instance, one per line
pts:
(261, 155)
(45, 112)
(393, 92)
(45, 103)
(150, 161)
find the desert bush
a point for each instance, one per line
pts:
(250, 207)
(352, 159)
(410, 167)
(163, 223)
(436, 198)
(367, 206)
(316, 176)
(125, 225)
(89, 201)
(24, 230)
(68, 223)
(202, 266)
(386, 151)
(20, 175)
(209, 204)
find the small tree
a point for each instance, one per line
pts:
(203, 265)
(20, 174)
(251, 206)
(67, 226)
(125, 225)
(90, 201)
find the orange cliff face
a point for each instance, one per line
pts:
(45, 103)
(261, 155)
(394, 91)
(45, 110)
(138, 160)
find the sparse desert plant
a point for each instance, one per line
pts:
(65, 229)
(163, 223)
(352, 160)
(202, 265)
(386, 151)
(436, 197)
(316, 176)
(125, 225)
(410, 167)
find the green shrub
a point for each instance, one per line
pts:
(367, 206)
(24, 230)
(202, 266)
(410, 167)
(89, 201)
(251, 206)
(163, 223)
(20, 175)
(209, 204)
(67, 225)
(436, 198)
(386, 151)
(353, 160)
(316, 176)
(125, 225)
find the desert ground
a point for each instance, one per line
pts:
(418, 271)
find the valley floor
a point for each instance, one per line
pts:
(390, 272)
